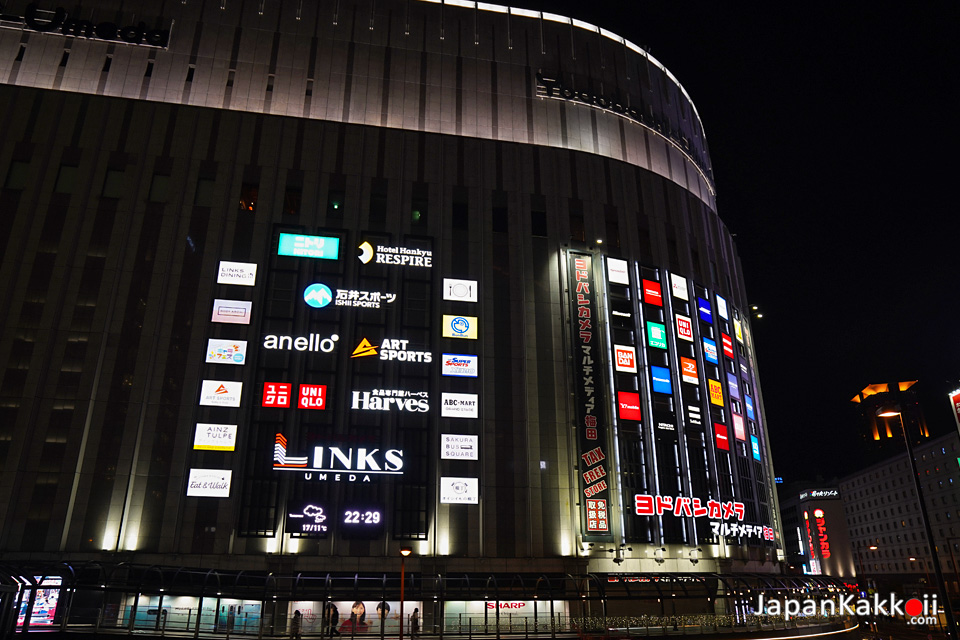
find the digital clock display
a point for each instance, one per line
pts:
(361, 522)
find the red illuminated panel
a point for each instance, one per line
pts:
(721, 432)
(955, 403)
(629, 404)
(651, 293)
(313, 396)
(727, 345)
(276, 394)
(688, 370)
(738, 429)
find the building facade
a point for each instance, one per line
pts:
(291, 286)
(885, 524)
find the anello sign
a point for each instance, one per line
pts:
(59, 19)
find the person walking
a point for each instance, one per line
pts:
(415, 623)
(296, 625)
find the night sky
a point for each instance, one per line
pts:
(836, 163)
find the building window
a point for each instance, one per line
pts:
(248, 196)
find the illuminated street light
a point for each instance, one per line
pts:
(889, 410)
(404, 552)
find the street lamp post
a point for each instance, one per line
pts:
(889, 412)
(404, 552)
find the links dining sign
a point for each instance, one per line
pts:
(61, 22)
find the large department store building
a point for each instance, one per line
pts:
(289, 286)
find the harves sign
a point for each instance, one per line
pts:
(60, 20)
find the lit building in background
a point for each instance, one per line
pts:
(816, 541)
(883, 516)
(289, 286)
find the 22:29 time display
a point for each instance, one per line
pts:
(361, 517)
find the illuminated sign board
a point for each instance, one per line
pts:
(684, 328)
(617, 271)
(688, 370)
(710, 351)
(716, 393)
(459, 490)
(679, 285)
(226, 351)
(733, 387)
(327, 459)
(720, 430)
(626, 358)
(220, 393)
(819, 493)
(311, 342)
(661, 380)
(658, 505)
(231, 311)
(738, 330)
(276, 394)
(727, 345)
(589, 397)
(300, 246)
(387, 399)
(400, 256)
(459, 405)
(722, 308)
(317, 295)
(313, 396)
(706, 313)
(693, 414)
(209, 483)
(392, 349)
(460, 290)
(651, 293)
(629, 405)
(242, 273)
(718, 512)
(748, 401)
(307, 519)
(955, 405)
(458, 364)
(460, 327)
(738, 430)
(459, 447)
(656, 335)
(597, 515)
(755, 446)
(362, 299)
(215, 437)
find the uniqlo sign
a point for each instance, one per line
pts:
(688, 370)
(313, 396)
(684, 328)
(626, 358)
(629, 404)
(276, 394)
(727, 345)
(651, 293)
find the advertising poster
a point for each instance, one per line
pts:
(242, 273)
(651, 293)
(626, 358)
